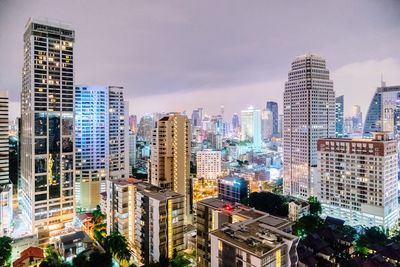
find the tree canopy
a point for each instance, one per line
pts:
(269, 202)
(5, 250)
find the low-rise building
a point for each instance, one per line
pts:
(255, 242)
(30, 257)
(298, 209)
(72, 244)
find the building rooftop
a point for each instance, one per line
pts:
(34, 252)
(255, 236)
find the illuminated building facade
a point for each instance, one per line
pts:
(149, 217)
(233, 189)
(309, 114)
(251, 126)
(359, 180)
(46, 192)
(170, 155)
(267, 125)
(339, 116)
(208, 164)
(6, 187)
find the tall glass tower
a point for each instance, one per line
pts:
(273, 107)
(47, 128)
(309, 114)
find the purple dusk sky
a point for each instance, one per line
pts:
(179, 55)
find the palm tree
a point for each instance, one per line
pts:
(98, 216)
(118, 246)
(99, 232)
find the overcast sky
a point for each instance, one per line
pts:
(179, 55)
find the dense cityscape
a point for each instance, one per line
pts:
(302, 182)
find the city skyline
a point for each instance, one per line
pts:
(238, 57)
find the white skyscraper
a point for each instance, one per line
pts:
(47, 133)
(251, 126)
(359, 180)
(100, 137)
(309, 114)
(267, 125)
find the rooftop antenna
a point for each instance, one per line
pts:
(383, 84)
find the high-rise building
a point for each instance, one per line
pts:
(133, 123)
(170, 156)
(251, 126)
(357, 120)
(273, 107)
(359, 180)
(340, 116)
(258, 242)
(6, 187)
(208, 164)
(233, 189)
(267, 124)
(151, 219)
(309, 114)
(235, 122)
(384, 111)
(145, 129)
(47, 128)
(132, 150)
(100, 141)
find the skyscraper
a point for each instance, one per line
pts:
(133, 123)
(251, 126)
(339, 116)
(273, 107)
(267, 124)
(359, 180)
(357, 120)
(100, 140)
(6, 187)
(235, 121)
(383, 112)
(170, 155)
(145, 129)
(309, 114)
(197, 117)
(47, 128)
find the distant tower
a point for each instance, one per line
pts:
(309, 114)
(339, 116)
(273, 107)
(251, 126)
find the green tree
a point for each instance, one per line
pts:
(98, 216)
(51, 258)
(269, 202)
(315, 206)
(98, 259)
(371, 236)
(5, 250)
(181, 260)
(80, 260)
(99, 232)
(118, 246)
(306, 225)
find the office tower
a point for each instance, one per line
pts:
(267, 124)
(383, 112)
(132, 150)
(133, 123)
(359, 180)
(235, 122)
(251, 126)
(47, 134)
(258, 242)
(309, 114)
(340, 116)
(215, 140)
(233, 189)
(208, 164)
(348, 125)
(211, 214)
(170, 156)
(99, 140)
(280, 125)
(6, 187)
(145, 129)
(149, 217)
(357, 120)
(273, 107)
